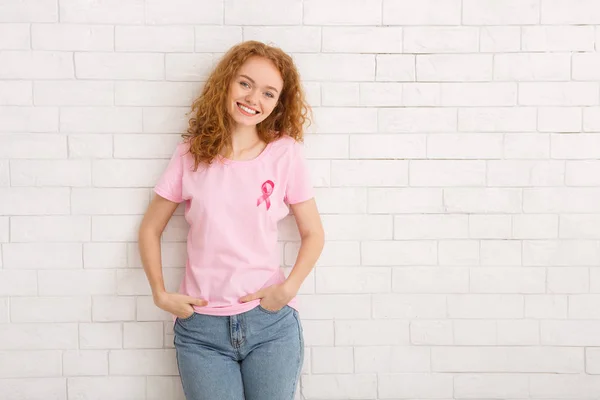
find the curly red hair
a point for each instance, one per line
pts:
(209, 130)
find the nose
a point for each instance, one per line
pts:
(251, 98)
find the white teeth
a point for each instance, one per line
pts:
(248, 110)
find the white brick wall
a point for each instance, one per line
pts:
(456, 156)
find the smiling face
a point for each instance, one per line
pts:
(254, 91)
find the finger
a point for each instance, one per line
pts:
(196, 302)
(251, 297)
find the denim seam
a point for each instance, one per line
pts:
(300, 355)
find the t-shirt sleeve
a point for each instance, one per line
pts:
(299, 187)
(170, 184)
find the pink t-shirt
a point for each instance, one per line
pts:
(233, 209)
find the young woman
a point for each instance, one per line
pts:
(237, 329)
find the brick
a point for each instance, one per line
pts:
(342, 200)
(478, 306)
(559, 119)
(557, 253)
(580, 12)
(36, 65)
(413, 306)
(508, 12)
(105, 12)
(328, 67)
(482, 385)
(27, 336)
(507, 359)
(383, 146)
(28, 119)
(490, 226)
(394, 120)
(340, 94)
(440, 173)
(340, 386)
(363, 40)
(73, 93)
(483, 200)
(345, 120)
(72, 37)
(568, 280)
(108, 201)
(508, 280)
(355, 280)
(404, 200)
(29, 11)
(369, 173)
(90, 146)
(336, 306)
(295, 39)
(478, 94)
(550, 306)
(183, 12)
(113, 308)
(107, 387)
(497, 39)
(163, 39)
(46, 173)
(18, 283)
(332, 360)
(525, 173)
(394, 253)
(14, 36)
(286, 12)
(441, 40)
(85, 362)
(425, 12)
(396, 67)
(558, 38)
(526, 146)
(415, 385)
(356, 12)
(137, 93)
(42, 255)
(464, 146)
(497, 119)
(188, 67)
(49, 228)
(51, 309)
(363, 332)
(533, 226)
(16, 93)
(35, 388)
(142, 335)
(454, 67)
(119, 66)
(532, 67)
(142, 362)
(580, 146)
(571, 333)
(34, 201)
(217, 38)
(140, 173)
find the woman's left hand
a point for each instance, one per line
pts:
(273, 298)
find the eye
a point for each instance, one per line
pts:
(270, 95)
(245, 84)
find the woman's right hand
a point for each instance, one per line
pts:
(177, 304)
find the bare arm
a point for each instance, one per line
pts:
(313, 238)
(153, 224)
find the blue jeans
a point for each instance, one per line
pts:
(255, 355)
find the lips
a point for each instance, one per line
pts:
(247, 110)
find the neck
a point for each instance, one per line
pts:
(243, 137)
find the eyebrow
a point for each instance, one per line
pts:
(252, 80)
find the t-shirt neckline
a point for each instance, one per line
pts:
(246, 162)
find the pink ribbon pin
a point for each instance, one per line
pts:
(267, 189)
